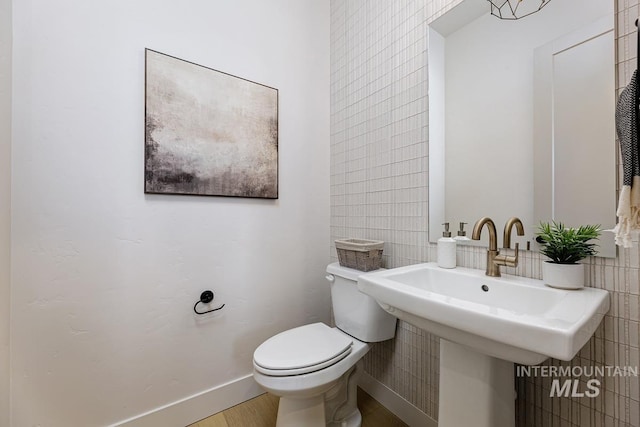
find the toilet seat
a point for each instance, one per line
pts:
(302, 350)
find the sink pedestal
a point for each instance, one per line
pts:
(475, 389)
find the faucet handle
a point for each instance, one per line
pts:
(508, 261)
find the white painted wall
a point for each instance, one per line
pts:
(104, 277)
(5, 204)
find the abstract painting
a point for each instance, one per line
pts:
(208, 133)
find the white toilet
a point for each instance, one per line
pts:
(314, 368)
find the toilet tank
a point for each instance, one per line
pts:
(356, 313)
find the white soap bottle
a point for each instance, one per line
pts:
(462, 235)
(446, 249)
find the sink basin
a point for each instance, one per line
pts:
(512, 318)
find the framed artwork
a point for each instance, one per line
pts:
(208, 133)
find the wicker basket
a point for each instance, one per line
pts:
(363, 255)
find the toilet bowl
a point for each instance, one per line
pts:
(303, 395)
(314, 368)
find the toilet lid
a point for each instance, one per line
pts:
(301, 350)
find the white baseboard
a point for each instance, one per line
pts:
(395, 403)
(199, 406)
(194, 408)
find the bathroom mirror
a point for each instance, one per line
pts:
(521, 118)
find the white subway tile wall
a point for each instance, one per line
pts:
(379, 190)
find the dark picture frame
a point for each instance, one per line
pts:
(208, 133)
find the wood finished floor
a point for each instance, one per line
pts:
(261, 412)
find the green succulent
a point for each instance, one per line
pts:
(566, 245)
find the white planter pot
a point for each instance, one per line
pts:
(563, 276)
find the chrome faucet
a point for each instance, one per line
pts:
(494, 259)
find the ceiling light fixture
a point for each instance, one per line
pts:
(516, 9)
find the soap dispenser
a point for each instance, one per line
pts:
(446, 249)
(462, 234)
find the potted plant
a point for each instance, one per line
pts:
(565, 246)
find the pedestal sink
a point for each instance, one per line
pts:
(485, 325)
